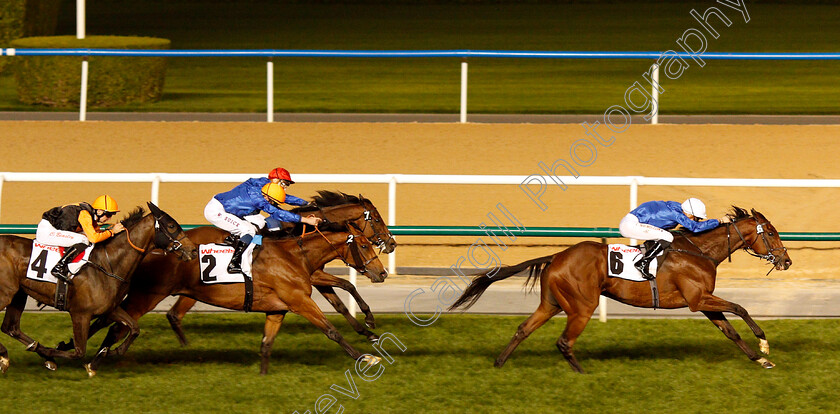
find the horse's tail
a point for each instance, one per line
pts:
(481, 282)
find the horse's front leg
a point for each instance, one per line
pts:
(322, 278)
(720, 321)
(329, 294)
(121, 318)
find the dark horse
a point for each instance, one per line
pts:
(331, 206)
(571, 281)
(96, 290)
(281, 279)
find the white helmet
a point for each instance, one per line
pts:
(694, 207)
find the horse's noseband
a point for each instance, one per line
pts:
(769, 256)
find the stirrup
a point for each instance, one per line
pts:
(644, 269)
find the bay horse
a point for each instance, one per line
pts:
(281, 278)
(572, 280)
(97, 289)
(331, 206)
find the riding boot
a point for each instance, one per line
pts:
(235, 265)
(654, 248)
(60, 270)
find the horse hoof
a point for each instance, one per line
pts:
(50, 365)
(765, 363)
(371, 324)
(4, 364)
(374, 339)
(764, 346)
(371, 360)
(90, 371)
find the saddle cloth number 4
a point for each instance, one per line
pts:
(45, 257)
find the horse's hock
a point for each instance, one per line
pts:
(55, 81)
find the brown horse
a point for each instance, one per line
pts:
(571, 281)
(331, 206)
(281, 278)
(97, 289)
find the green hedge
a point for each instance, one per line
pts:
(55, 81)
(20, 18)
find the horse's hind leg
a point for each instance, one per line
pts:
(176, 315)
(329, 294)
(543, 313)
(11, 327)
(272, 326)
(575, 323)
(720, 321)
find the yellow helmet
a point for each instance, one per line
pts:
(274, 193)
(105, 202)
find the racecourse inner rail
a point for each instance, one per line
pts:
(657, 57)
(632, 182)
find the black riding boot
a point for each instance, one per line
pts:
(654, 248)
(60, 269)
(235, 265)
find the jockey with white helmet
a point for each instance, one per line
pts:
(650, 220)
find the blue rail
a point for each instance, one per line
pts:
(412, 54)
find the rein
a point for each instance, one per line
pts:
(128, 237)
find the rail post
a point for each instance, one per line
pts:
(392, 220)
(464, 90)
(83, 97)
(654, 93)
(156, 190)
(351, 302)
(269, 80)
(602, 300)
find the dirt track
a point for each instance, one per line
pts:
(740, 151)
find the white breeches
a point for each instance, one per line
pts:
(632, 229)
(215, 213)
(47, 234)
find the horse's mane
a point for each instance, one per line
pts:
(331, 227)
(133, 217)
(737, 213)
(329, 199)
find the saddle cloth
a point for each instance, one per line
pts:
(44, 258)
(621, 259)
(214, 262)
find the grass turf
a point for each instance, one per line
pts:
(496, 85)
(633, 365)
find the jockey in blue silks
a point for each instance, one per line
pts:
(238, 211)
(649, 220)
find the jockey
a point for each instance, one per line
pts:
(76, 226)
(647, 221)
(238, 210)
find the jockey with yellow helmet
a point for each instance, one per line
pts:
(238, 210)
(76, 226)
(649, 220)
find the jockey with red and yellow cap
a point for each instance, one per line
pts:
(76, 226)
(238, 210)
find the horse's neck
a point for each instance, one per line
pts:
(723, 240)
(318, 252)
(141, 235)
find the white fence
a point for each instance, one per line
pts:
(632, 182)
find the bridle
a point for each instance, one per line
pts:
(748, 247)
(354, 252)
(378, 240)
(163, 238)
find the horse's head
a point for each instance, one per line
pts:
(169, 235)
(362, 256)
(382, 235)
(359, 212)
(761, 239)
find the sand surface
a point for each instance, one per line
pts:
(725, 151)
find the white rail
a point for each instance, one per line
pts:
(632, 182)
